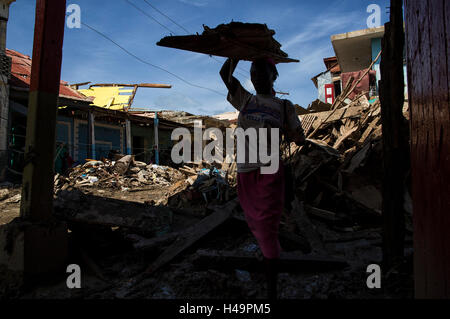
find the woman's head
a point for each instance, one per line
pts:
(263, 74)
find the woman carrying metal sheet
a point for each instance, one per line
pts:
(262, 195)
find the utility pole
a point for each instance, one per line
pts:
(156, 123)
(428, 43)
(395, 137)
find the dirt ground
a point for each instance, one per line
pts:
(117, 263)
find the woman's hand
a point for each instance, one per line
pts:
(226, 74)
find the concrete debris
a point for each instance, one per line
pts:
(130, 220)
(4, 194)
(123, 173)
(13, 199)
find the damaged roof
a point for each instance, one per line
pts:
(243, 41)
(21, 76)
(354, 49)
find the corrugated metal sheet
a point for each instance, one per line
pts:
(109, 97)
(21, 75)
(244, 41)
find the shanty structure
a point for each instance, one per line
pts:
(328, 83)
(90, 123)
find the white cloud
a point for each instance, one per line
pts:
(323, 25)
(196, 3)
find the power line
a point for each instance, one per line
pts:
(148, 63)
(162, 13)
(164, 26)
(149, 16)
(220, 62)
(187, 31)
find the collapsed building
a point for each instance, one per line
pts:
(145, 230)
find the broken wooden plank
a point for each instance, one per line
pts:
(305, 226)
(321, 214)
(289, 262)
(357, 159)
(307, 122)
(156, 242)
(355, 235)
(368, 211)
(368, 130)
(186, 240)
(327, 117)
(348, 131)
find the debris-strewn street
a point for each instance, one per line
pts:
(180, 233)
(211, 150)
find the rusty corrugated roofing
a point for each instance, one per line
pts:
(21, 75)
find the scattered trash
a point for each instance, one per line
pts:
(242, 275)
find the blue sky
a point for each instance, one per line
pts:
(302, 27)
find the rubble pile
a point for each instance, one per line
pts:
(338, 172)
(339, 166)
(194, 226)
(204, 185)
(117, 175)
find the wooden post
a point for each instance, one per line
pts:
(4, 92)
(37, 241)
(156, 139)
(91, 134)
(428, 44)
(37, 189)
(128, 136)
(395, 137)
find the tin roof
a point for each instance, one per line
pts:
(21, 75)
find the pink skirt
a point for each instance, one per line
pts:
(262, 198)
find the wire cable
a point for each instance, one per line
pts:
(186, 30)
(149, 16)
(173, 21)
(148, 63)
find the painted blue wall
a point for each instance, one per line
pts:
(102, 134)
(65, 132)
(376, 48)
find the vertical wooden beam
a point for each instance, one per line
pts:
(37, 189)
(428, 43)
(156, 121)
(395, 137)
(128, 136)
(91, 134)
(133, 95)
(4, 92)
